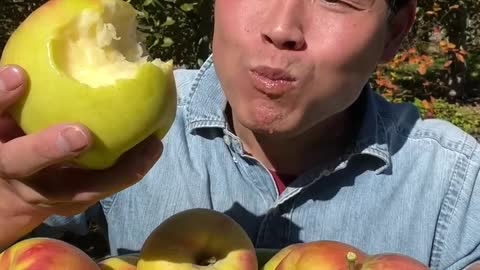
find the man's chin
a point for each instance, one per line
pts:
(264, 121)
(277, 130)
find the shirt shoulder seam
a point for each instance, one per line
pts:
(448, 207)
(465, 144)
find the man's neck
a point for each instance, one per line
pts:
(322, 144)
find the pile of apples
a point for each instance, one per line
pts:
(202, 239)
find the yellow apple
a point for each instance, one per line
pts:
(45, 254)
(86, 64)
(120, 262)
(198, 238)
(274, 261)
(264, 255)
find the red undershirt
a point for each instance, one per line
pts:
(282, 180)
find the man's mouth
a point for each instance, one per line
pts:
(272, 82)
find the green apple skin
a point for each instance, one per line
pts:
(120, 262)
(119, 115)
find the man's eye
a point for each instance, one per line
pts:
(336, 2)
(355, 4)
(333, 1)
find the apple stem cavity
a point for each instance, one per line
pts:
(352, 260)
(208, 261)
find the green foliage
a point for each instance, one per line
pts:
(438, 69)
(180, 30)
(465, 117)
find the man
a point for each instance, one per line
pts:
(279, 130)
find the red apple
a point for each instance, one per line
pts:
(392, 261)
(323, 255)
(273, 262)
(333, 255)
(45, 254)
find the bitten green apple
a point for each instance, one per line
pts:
(198, 238)
(45, 254)
(86, 64)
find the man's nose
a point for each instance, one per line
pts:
(284, 26)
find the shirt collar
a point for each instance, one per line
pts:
(205, 108)
(373, 136)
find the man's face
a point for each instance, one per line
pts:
(287, 65)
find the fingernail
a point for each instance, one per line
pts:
(10, 79)
(72, 139)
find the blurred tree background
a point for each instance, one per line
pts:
(438, 68)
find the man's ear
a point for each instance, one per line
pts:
(399, 25)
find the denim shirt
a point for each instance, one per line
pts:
(407, 185)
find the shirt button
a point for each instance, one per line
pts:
(227, 140)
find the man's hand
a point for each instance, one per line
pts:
(35, 181)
